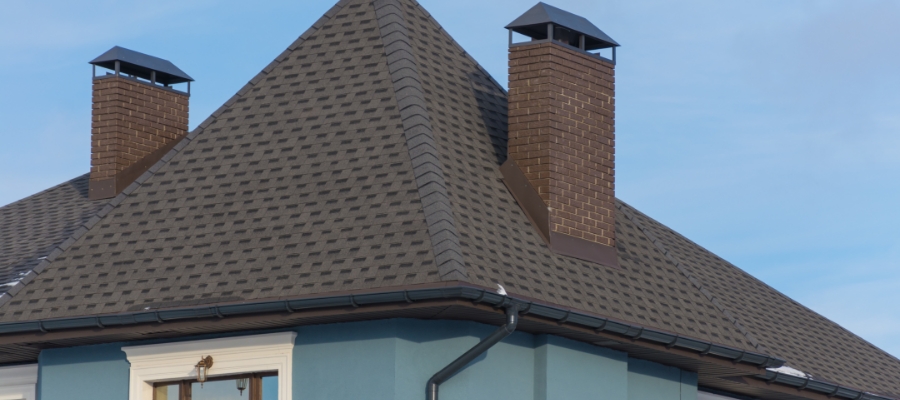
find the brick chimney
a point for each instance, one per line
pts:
(561, 149)
(137, 116)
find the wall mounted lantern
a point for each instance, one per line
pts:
(241, 384)
(203, 367)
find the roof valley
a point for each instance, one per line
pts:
(423, 149)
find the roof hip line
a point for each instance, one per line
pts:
(115, 201)
(626, 209)
(423, 149)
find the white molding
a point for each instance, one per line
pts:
(18, 382)
(233, 355)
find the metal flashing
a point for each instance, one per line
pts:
(534, 24)
(142, 65)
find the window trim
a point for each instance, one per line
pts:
(231, 356)
(18, 382)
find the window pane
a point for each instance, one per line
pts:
(167, 392)
(270, 388)
(218, 390)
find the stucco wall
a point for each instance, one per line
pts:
(392, 360)
(88, 372)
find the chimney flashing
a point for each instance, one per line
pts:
(561, 138)
(136, 118)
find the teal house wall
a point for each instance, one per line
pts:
(393, 359)
(88, 372)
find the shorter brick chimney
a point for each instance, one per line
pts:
(561, 149)
(137, 116)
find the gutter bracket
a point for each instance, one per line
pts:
(527, 308)
(478, 299)
(708, 349)
(672, 343)
(602, 326)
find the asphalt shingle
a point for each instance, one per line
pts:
(367, 156)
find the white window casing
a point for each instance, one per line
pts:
(233, 355)
(18, 382)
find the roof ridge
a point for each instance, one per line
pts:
(626, 210)
(459, 47)
(423, 149)
(115, 201)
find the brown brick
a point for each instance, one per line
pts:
(127, 119)
(562, 135)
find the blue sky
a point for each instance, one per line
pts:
(767, 131)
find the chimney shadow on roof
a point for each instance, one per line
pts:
(81, 185)
(492, 107)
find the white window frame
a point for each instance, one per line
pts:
(18, 382)
(234, 355)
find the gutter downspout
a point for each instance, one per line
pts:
(512, 319)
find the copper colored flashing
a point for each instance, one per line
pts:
(538, 214)
(110, 187)
(584, 250)
(562, 138)
(527, 197)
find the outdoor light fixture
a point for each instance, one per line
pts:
(203, 367)
(241, 384)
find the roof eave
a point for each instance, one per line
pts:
(459, 291)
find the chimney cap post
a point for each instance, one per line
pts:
(141, 65)
(534, 24)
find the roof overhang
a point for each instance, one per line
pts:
(718, 366)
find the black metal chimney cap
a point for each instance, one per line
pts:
(141, 65)
(534, 25)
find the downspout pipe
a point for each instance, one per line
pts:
(512, 319)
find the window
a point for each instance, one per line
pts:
(166, 371)
(257, 386)
(18, 382)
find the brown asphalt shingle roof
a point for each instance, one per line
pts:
(31, 228)
(366, 156)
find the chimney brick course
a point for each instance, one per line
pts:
(562, 136)
(133, 123)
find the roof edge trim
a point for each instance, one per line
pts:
(820, 387)
(423, 148)
(461, 291)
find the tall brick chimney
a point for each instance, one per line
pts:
(561, 164)
(137, 116)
